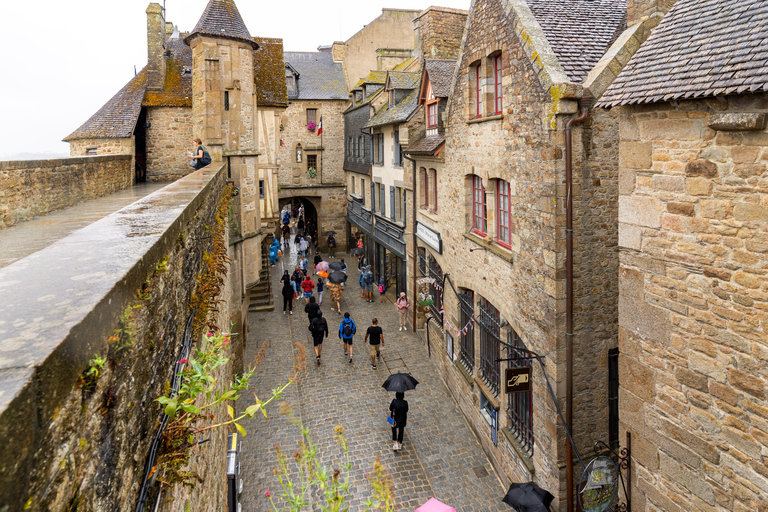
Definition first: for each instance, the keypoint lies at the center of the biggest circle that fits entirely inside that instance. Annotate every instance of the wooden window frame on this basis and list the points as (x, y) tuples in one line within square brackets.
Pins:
[(478, 94), (432, 115), (310, 158), (313, 117), (503, 209), (479, 212), (498, 95)]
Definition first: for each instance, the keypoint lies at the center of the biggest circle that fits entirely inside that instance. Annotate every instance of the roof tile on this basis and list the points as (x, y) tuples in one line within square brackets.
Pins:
[(320, 78)]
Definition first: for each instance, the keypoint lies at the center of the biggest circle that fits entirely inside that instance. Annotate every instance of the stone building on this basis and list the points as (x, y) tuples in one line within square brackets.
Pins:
[(693, 238), (526, 272), (311, 139)]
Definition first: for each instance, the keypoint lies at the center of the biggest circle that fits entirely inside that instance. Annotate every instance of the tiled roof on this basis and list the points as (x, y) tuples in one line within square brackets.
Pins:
[(177, 88), (374, 77), (580, 31), (117, 118), (440, 73), (404, 65), (701, 48), (321, 78), (403, 79), (222, 19), (426, 145), (269, 73), (396, 114)]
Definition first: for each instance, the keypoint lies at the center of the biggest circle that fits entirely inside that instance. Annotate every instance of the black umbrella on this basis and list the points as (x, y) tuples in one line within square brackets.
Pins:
[(528, 497), (337, 277), (400, 382), (329, 233), (356, 251), (336, 265)]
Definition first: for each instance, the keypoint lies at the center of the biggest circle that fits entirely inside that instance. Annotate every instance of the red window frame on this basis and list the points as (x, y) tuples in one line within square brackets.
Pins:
[(432, 115), (497, 93), (479, 218), (434, 189), (503, 213), (478, 99), (426, 189)]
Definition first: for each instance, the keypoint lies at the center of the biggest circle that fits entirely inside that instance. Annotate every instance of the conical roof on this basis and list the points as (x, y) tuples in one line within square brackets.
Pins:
[(222, 19)]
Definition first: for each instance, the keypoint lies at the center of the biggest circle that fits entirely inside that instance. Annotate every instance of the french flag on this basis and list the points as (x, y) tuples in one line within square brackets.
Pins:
[(320, 126)]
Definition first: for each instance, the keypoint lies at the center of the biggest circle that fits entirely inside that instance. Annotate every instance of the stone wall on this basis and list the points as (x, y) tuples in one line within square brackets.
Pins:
[(330, 201), (32, 187), (169, 138), (79, 147), (694, 295), (69, 446), (439, 30)]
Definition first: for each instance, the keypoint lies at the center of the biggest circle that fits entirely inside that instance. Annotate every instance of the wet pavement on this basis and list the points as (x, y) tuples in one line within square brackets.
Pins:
[(25, 238), (441, 456)]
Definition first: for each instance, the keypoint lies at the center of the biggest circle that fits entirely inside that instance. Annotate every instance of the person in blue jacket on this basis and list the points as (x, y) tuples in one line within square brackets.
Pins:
[(347, 330), (273, 249)]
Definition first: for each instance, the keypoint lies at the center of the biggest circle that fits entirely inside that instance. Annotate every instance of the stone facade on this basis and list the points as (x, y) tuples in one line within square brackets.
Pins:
[(169, 138), (693, 329), (86, 147), (33, 187), (439, 31)]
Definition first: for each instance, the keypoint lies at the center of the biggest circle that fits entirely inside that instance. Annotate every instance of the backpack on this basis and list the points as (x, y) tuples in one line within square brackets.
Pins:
[(206, 157), (368, 277), (381, 288), (319, 327), (347, 331)]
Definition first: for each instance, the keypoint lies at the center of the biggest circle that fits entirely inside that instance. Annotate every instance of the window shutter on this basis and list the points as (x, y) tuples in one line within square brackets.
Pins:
[(373, 196), (392, 202), (398, 154)]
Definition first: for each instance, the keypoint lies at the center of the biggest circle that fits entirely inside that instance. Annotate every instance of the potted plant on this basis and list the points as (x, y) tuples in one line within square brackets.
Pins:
[(311, 172), (311, 126)]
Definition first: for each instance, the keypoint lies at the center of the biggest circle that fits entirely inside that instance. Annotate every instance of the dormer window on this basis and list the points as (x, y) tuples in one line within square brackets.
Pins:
[(187, 71), (289, 82), (432, 115), (358, 95), (391, 98)]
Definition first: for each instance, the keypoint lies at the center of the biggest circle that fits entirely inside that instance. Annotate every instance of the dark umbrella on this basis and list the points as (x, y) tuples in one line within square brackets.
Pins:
[(528, 497), (356, 251), (329, 233), (336, 265), (337, 277), (400, 382)]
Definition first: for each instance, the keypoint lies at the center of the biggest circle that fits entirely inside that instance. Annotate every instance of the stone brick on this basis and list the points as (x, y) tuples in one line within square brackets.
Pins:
[(748, 212), (686, 477), (699, 186), (669, 183), (749, 170), (637, 378), (662, 129), (692, 379), (702, 168), (744, 154), (716, 209), (747, 383), (635, 155), (686, 209), (747, 280), (642, 211)]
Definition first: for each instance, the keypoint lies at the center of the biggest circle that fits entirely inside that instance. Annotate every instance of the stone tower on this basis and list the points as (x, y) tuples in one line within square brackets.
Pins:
[(224, 111)]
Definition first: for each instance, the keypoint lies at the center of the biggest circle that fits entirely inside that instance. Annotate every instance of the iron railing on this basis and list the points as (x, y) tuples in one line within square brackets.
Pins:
[(467, 352), (429, 268), (520, 405), (489, 329)]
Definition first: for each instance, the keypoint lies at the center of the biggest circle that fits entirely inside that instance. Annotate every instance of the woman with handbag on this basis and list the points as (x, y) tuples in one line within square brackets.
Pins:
[(398, 410)]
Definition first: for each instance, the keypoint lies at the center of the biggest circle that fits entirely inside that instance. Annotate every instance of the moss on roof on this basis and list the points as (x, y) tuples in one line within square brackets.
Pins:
[(269, 73), (177, 88)]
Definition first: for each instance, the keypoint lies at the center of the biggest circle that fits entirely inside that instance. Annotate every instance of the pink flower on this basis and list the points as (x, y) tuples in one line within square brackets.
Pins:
[(183, 361), (267, 493), (225, 342), (367, 475), (210, 334)]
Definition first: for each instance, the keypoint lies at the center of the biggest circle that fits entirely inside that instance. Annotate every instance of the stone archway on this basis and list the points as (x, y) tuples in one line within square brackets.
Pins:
[(325, 204)]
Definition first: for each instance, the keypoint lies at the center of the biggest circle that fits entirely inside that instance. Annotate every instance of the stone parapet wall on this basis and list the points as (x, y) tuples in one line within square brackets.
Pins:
[(29, 188), (169, 138), (693, 312), (68, 445), (123, 146)]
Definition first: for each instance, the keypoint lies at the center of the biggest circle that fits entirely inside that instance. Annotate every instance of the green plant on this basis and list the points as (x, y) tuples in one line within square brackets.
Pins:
[(311, 172), (91, 374), (123, 338), (162, 266)]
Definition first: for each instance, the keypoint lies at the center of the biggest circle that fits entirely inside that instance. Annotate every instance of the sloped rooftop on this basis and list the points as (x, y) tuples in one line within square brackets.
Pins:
[(426, 145), (701, 48), (320, 77), (580, 31), (397, 113), (222, 19), (177, 88), (403, 79), (440, 73), (269, 73)]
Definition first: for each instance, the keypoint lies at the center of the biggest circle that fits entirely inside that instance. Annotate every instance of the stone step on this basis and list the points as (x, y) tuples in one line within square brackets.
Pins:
[(265, 307)]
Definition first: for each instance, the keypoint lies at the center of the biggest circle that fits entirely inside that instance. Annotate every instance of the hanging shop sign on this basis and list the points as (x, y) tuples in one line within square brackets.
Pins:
[(430, 237), (517, 380)]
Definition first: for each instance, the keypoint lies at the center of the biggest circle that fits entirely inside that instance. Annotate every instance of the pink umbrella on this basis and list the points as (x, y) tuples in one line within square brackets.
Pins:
[(323, 265), (434, 505)]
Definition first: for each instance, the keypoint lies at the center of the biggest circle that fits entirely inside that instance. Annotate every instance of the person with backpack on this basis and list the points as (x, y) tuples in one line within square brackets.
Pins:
[(398, 410), (368, 280), (318, 328), (311, 309), (347, 330), (307, 286), (288, 292), (382, 289), (402, 304), (199, 154), (320, 289), (331, 245)]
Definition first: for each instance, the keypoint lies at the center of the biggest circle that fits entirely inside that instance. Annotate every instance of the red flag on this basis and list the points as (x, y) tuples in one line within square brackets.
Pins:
[(320, 126)]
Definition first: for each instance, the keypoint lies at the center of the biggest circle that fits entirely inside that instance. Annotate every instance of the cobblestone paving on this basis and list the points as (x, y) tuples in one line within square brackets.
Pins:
[(440, 458)]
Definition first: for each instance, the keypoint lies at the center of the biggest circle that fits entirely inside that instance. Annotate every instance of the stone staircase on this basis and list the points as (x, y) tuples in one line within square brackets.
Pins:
[(260, 296)]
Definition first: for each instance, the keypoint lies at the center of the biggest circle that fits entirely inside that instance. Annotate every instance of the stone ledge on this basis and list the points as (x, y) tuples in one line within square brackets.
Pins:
[(484, 119), (464, 372), (8, 165), (491, 247), (492, 398), (521, 454), (244, 152)]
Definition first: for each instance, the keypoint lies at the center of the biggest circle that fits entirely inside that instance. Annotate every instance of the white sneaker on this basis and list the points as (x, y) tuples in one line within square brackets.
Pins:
[(399, 446), (405, 328), (395, 447)]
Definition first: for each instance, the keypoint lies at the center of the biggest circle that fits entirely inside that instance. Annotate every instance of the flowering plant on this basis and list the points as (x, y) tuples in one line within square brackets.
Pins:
[(311, 126), (311, 172)]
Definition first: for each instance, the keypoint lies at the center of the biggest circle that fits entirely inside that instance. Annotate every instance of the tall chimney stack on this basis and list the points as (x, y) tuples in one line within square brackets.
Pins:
[(155, 47)]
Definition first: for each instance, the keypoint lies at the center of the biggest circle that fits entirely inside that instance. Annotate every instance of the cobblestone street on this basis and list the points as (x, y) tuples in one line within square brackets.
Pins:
[(440, 457)]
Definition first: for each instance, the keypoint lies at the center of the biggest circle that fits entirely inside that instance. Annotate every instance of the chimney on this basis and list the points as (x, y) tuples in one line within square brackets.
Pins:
[(640, 10), (156, 32)]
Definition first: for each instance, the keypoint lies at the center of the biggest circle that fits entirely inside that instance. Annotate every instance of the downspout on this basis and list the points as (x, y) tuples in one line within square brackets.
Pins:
[(413, 234), (569, 293)]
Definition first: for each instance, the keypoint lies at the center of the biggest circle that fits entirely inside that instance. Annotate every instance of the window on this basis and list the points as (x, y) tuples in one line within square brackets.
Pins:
[(398, 149), (478, 93), (359, 146), (352, 183), (362, 189), (503, 213), (261, 189), (466, 312), (391, 98), (311, 115), (90, 151), (373, 197), (402, 207), (289, 82), (479, 217), (432, 115), (383, 202), (312, 161), (520, 405), (497, 95), (349, 147), (226, 100), (434, 189), (488, 327), (380, 156), (426, 188), (392, 202)]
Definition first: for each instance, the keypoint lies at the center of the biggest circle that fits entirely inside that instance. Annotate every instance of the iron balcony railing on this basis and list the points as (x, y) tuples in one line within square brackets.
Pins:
[(489, 329), (467, 352), (520, 405)]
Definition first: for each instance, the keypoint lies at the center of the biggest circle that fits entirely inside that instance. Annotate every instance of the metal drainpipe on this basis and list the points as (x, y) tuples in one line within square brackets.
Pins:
[(569, 292), (413, 234)]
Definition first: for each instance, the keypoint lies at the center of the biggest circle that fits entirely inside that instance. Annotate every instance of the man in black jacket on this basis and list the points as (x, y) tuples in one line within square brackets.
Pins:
[(312, 309), (319, 329)]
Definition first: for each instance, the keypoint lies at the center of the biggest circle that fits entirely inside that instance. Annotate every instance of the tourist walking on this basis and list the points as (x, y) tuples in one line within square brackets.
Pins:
[(398, 410), (303, 246), (331, 246), (317, 260), (376, 336), (320, 289), (273, 250), (361, 282), (402, 304), (347, 330), (336, 294), (311, 309), (368, 280), (319, 329), (382, 289), (288, 292), (304, 265), (307, 286)]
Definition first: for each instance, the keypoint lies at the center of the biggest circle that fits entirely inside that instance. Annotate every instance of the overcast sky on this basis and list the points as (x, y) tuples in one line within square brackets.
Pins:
[(64, 59)]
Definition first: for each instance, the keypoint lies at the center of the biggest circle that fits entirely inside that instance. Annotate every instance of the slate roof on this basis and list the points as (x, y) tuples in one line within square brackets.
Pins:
[(117, 118), (222, 19), (426, 145), (269, 73), (403, 79), (580, 31), (701, 48), (396, 114), (177, 88), (321, 78), (374, 77), (440, 73)]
